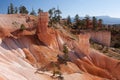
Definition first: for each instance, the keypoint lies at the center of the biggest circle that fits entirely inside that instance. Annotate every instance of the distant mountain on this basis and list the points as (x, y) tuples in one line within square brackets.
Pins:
[(106, 19), (109, 20)]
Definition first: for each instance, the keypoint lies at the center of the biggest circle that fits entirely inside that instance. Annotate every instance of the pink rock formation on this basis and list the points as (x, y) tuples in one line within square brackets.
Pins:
[(46, 35), (103, 37), (81, 52), (83, 44), (43, 23), (25, 57), (12, 22), (42, 30)]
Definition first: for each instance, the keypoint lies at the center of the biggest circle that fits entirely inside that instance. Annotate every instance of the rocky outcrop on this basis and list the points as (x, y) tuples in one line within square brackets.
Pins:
[(42, 30), (45, 34), (29, 56), (80, 51), (12, 22), (17, 56), (83, 44), (102, 37)]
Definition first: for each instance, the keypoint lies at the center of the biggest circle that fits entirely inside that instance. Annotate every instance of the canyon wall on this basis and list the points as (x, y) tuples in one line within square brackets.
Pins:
[(102, 37), (25, 58)]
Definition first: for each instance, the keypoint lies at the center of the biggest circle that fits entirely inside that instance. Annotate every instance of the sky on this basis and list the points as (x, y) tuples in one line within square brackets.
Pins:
[(69, 7)]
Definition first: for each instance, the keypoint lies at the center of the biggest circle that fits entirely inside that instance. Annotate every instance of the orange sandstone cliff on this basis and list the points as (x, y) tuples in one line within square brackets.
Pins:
[(29, 54)]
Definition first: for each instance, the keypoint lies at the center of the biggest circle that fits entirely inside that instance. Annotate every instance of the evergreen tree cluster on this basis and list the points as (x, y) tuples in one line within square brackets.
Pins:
[(83, 23), (54, 15), (12, 9), (22, 10)]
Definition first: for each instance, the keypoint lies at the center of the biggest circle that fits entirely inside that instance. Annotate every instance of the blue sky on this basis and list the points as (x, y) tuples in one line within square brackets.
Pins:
[(70, 7)]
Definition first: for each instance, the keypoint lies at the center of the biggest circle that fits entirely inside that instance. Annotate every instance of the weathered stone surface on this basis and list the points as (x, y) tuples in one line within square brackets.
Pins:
[(43, 22), (44, 34), (103, 37), (84, 44), (110, 65), (19, 57)]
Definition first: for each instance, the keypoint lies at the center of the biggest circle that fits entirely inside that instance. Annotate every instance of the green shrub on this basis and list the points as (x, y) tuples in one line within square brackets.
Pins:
[(117, 45), (65, 56), (22, 27)]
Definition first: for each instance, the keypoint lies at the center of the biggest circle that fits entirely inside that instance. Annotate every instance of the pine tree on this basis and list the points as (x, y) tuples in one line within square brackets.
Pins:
[(33, 12), (76, 18), (23, 10), (77, 21), (51, 16), (16, 10), (40, 10), (11, 8), (57, 15), (69, 21), (8, 10), (51, 12), (65, 56), (94, 21), (87, 19), (100, 23), (83, 24)]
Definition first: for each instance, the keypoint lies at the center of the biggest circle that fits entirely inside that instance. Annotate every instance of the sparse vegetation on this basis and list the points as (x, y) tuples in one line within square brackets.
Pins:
[(55, 65), (115, 38), (83, 24), (69, 22), (40, 10), (15, 23), (23, 10), (43, 43), (16, 10), (65, 57), (55, 16), (12, 9), (94, 21), (109, 51), (77, 24), (33, 12), (56, 71), (22, 27)]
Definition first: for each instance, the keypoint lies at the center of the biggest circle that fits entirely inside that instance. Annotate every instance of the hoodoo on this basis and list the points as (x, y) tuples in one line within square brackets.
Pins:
[(31, 57)]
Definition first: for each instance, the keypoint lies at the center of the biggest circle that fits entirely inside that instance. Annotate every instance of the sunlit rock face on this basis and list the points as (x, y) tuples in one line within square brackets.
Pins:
[(13, 62), (45, 34), (21, 57), (102, 37), (43, 22), (42, 30), (84, 44), (0, 41)]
